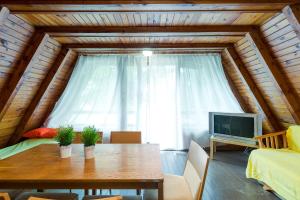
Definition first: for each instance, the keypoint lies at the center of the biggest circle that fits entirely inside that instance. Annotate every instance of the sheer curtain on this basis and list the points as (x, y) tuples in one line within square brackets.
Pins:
[(167, 97)]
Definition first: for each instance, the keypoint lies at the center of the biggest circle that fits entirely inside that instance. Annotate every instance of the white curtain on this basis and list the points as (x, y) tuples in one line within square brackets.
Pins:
[(167, 97)]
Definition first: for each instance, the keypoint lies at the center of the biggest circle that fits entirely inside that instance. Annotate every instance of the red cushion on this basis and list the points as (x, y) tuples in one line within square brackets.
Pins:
[(41, 133)]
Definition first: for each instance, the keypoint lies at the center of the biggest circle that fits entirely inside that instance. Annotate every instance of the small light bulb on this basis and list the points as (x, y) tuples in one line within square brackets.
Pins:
[(147, 53)]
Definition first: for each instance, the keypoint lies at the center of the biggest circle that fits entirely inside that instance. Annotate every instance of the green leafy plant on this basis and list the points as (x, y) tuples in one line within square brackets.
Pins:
[(89, 136), (65, 136)]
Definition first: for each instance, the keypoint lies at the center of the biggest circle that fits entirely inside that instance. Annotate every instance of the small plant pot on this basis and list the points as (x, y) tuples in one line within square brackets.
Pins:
[(65, 151), (89, 152)]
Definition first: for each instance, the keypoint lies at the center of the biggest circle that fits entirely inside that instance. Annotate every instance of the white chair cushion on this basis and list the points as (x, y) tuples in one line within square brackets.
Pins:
[(175, 188), (192, 178)]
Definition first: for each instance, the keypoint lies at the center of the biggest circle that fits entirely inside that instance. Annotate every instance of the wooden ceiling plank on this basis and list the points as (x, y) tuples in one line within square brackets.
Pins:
[(255, 91), (292, 13), (51, 107), (145, 2), (93, 30), (4, 12), (145, 45), (59, 62), (130, 5), (11, 87), (236, 93), (275, 72)]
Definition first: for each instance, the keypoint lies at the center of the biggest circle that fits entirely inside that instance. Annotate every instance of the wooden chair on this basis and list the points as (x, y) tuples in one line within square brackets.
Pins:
[(190, 186), (4, 196), (112, 198), (126, 137), (46, 196), (273, 140)]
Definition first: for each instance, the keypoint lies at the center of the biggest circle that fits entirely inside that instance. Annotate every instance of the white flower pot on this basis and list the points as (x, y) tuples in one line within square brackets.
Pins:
[(65, 151), (89, 152)]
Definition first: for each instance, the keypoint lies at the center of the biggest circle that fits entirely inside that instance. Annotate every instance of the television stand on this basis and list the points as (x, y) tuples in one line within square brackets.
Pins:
[(225, 140)]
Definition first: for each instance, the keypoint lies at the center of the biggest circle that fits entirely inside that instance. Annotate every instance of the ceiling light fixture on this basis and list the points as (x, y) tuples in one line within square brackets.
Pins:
[(147, 53)]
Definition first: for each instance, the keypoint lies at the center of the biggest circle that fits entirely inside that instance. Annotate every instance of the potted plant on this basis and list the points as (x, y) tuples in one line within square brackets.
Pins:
[(89, 138), (65, 137)]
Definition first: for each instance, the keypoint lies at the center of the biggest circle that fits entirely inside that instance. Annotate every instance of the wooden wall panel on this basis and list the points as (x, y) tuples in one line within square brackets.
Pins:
[(285, 45), (264, 82), (51, 94), (244, 92), (28, 89), (14, 36)]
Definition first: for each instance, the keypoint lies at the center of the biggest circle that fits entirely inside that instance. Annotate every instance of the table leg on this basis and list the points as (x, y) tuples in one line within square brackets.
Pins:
[(212, 149), (215, 147), (161, 190)]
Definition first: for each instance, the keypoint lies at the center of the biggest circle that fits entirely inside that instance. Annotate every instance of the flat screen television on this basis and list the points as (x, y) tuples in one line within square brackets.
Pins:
[(241, 126)]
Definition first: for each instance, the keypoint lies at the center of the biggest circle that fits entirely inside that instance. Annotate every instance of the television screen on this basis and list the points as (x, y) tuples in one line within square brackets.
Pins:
[(234, 126)]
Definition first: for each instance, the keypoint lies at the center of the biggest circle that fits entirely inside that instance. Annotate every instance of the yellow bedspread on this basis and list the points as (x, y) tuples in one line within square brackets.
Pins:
[(280, 169)]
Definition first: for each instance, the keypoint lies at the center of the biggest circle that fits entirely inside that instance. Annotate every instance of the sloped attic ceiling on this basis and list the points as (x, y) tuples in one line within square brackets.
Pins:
[(40, 41)]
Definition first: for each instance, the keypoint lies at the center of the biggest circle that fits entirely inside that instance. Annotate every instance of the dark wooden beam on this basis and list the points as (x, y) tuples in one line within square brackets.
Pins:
[(147, 45), (292, 13), (138, 10), (139, 5), (4, 12), (51, 107), (11, 87), (145, 2), (236, 93), (59, 62), (171, 51), (151, 30), (255, 92), (275, 72)]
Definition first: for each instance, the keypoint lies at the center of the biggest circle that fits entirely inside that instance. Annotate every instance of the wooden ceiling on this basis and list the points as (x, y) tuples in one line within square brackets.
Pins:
[(146, 13), (40, 40)]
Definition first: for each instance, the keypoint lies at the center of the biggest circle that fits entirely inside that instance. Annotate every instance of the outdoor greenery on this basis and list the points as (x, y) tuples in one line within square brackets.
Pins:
[(90, 136), (65, 136)]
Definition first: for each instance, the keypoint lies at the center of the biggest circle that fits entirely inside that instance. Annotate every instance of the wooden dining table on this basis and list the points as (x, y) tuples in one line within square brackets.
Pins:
[(115, 166)]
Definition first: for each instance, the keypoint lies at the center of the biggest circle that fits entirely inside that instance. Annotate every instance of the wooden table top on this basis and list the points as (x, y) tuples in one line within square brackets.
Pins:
[(112, 163)]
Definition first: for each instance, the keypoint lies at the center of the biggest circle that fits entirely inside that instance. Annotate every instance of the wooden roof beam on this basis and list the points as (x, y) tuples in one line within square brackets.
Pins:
[(4, 12), (255, 92), (292, 13), (11, 87), (275, 72), (137, 5), (59, 62), (134, 52), (138, 30), (147, 45)]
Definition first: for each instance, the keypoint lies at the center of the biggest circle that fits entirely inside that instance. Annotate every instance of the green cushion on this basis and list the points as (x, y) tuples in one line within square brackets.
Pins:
[(23, 146)]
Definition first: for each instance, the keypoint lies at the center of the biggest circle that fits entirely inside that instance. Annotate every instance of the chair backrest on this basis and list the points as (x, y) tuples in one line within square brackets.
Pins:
[(196, 169), (111, 198), (4, 196), (126, 137), (77, 139), (38, 198)]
